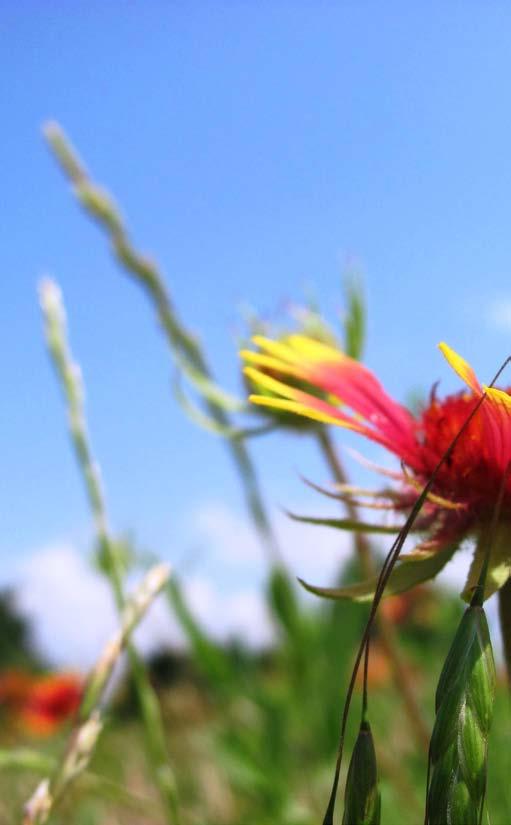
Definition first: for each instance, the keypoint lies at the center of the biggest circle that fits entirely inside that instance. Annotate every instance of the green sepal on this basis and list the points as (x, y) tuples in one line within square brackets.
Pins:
[(410, 571), (346, 524)]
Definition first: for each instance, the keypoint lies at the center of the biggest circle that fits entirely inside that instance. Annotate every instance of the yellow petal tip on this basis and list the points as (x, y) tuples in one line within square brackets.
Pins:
[(460, 366)]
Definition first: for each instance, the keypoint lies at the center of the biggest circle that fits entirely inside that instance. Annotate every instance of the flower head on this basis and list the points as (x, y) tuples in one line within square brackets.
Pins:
[(345, 393)]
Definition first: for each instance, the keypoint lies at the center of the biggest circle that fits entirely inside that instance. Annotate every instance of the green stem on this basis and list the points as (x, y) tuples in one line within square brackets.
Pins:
[(385, 627), (505, 591), (505, 624)]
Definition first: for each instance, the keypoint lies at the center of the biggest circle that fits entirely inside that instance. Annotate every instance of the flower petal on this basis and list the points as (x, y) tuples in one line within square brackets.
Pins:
[(295, 407), (270, 362), (342, 380), (461, 367), (495, 411), (297, 401)]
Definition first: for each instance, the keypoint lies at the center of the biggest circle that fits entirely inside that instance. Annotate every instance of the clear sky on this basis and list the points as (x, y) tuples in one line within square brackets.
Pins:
[(256, 148)]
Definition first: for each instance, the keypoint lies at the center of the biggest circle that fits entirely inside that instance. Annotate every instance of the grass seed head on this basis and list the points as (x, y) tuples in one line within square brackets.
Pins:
[(362, 797), (464, 710)]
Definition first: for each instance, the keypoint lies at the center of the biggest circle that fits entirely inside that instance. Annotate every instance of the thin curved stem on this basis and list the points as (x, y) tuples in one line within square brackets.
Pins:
[(385, 627), (505, 625)]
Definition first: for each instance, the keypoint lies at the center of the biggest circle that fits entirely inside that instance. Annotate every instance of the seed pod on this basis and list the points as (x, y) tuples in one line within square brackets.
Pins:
[(464, 711), (362, 797)]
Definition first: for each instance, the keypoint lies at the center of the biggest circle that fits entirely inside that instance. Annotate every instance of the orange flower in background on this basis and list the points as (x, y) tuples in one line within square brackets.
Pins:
[(398, 609), (379, 672), (40, 705), (344, 392)]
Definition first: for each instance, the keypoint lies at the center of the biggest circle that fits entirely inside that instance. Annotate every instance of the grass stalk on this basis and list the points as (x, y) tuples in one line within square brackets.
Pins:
[(70, 377), (184, 346), (32, 761), (89, 719)]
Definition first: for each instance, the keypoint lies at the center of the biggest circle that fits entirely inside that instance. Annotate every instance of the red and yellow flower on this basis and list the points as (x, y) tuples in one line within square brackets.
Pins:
[(343, 392)]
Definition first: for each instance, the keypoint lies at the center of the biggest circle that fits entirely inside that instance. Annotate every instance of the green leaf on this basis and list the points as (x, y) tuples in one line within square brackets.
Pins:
[(347, 524), (355, 321), (410, 571)]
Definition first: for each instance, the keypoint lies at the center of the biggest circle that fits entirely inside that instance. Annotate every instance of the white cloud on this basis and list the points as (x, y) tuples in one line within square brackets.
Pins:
[(242, 614), (70, 604), (71, 611), (309, 551), (70, 607), (227, 535)]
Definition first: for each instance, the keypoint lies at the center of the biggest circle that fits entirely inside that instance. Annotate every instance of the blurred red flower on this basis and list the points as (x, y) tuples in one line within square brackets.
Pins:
[(379, 672), (40, 705)]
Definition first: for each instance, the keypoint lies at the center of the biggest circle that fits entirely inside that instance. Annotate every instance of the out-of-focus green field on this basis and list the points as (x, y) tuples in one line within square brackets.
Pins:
[(253, 737)]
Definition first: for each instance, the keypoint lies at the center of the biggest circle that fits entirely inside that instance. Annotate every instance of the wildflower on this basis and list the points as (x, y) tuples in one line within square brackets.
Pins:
[(40, 704), (343, 392)]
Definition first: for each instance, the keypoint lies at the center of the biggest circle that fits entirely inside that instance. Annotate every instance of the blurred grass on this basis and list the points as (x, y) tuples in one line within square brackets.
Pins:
[(252, 737)]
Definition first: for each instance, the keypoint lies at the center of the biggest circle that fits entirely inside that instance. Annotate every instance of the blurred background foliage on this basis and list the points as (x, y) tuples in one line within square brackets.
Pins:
[(253, 736)]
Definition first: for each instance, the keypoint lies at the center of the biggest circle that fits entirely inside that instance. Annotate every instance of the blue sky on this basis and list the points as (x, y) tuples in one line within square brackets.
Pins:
[(255, 149)]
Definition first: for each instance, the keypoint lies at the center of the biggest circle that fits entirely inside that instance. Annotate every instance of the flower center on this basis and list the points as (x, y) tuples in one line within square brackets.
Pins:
[(473, 473)]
